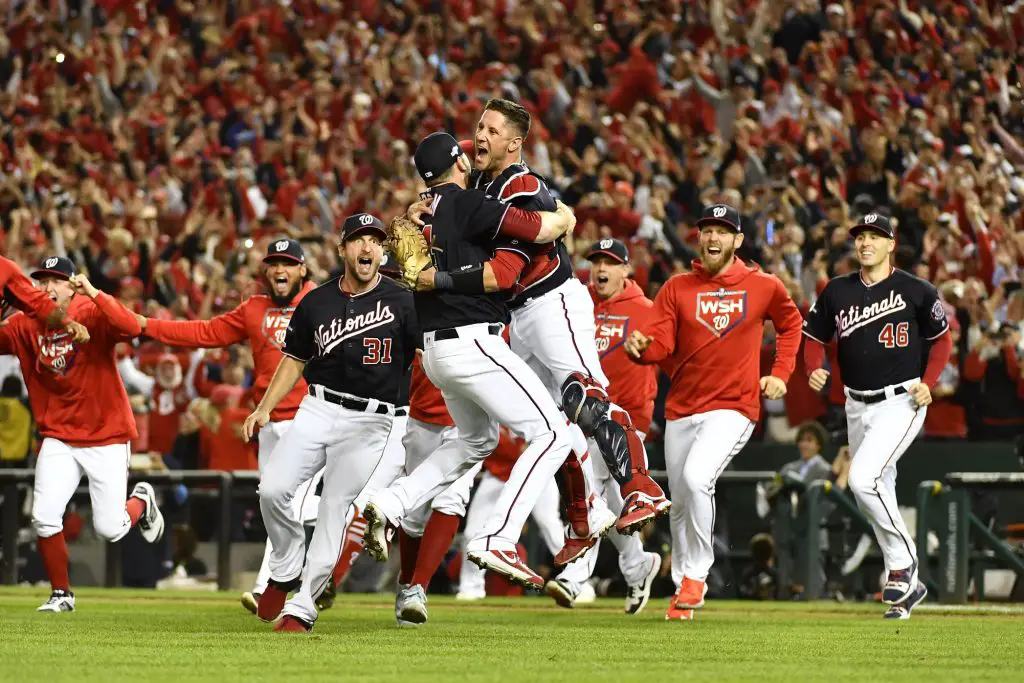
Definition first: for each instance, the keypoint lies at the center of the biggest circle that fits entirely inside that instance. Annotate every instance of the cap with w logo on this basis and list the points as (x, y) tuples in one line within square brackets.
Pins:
[(720, 214), (285, 250), (608, 247), (55, 266), (876, 222)]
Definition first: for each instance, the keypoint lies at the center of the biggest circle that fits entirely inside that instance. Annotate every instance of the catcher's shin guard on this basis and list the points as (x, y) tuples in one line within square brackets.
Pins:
[(584, 401), (623, 451), (572, 486)]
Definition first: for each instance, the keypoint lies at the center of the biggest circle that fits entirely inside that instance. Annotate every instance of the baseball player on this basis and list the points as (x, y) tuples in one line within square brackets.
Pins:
[(464, 355), (620, 306), (352, 339), (706, 326), (261, 320), (553, 329), (82, 412), (882, 319)]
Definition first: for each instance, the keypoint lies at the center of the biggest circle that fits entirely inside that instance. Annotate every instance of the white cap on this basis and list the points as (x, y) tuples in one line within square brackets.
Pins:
[(836, 8)]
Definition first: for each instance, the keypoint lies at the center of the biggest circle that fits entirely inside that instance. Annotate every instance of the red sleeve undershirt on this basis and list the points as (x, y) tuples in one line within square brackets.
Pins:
[(520, 225), (938, 356), (814, 355), (507, 267)]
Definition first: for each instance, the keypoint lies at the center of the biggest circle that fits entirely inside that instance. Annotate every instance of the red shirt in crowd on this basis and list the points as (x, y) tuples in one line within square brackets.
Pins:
[(75, 390), (632, 387), (257, 320), (709, 329)]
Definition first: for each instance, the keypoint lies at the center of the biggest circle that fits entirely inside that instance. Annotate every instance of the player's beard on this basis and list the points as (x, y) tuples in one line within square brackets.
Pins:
[(169, 379), (283, 300), (714, 263)]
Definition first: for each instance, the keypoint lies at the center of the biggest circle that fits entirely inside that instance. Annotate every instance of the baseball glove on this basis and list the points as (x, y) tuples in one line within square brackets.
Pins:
[(410, 248)]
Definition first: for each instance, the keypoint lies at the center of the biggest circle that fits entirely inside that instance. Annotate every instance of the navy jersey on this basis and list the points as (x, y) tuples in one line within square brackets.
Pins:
[(881, 330), (462, 231), (359, 344), (547, 265)]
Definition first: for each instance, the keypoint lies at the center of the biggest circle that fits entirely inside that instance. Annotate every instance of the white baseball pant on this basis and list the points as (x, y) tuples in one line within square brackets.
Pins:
[(483, 384), (698, 448), (880, 434), (304, 504), (59, 470), (545, 515), (348, 445), (422, 439), (632, 561)]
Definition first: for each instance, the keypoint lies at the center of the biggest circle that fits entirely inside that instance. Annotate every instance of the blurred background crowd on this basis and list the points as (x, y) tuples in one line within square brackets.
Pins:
[(161, 144)]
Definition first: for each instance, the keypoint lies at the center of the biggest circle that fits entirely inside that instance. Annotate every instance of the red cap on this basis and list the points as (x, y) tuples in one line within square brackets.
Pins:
[(468, 146)]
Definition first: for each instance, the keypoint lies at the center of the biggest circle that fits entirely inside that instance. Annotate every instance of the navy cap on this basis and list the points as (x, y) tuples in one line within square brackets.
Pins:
[(720, 214), (609, 247), (436, 154), (362, 222), (876, 222), (55, 266), (285, 250)]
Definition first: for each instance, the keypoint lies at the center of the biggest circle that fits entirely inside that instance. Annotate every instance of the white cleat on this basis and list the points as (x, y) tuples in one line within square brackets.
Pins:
[(563, 592), (638, 595), (251, 602), (60, 601), (379, 532), (411, 606), (151, 524)]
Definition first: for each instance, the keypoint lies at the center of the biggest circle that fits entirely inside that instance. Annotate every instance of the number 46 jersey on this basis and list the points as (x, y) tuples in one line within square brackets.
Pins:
[(881, 330)]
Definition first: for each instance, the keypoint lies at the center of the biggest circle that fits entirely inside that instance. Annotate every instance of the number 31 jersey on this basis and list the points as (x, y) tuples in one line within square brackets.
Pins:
[(881, 330)]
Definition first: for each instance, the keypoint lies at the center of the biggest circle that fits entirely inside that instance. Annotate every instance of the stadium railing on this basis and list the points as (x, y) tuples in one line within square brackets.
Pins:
[(956, 560)]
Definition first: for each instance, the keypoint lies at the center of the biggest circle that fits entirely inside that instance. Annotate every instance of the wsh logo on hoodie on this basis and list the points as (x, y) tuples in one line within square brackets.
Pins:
[(57, 352), (721, 311)]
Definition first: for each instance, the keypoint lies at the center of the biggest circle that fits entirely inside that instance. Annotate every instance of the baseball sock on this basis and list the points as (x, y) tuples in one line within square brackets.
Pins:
[(350, 549), (54, 552), (408, 551), (135, 507), (437, 539)]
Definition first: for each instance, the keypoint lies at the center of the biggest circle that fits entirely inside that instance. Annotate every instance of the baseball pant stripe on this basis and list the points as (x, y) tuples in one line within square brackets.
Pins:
[(572, 336), (878, 494), (536, 462)]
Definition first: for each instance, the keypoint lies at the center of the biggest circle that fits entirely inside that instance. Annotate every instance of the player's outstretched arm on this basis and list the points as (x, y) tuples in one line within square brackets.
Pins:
[(217, 332), (115, 316), (498, 274), (288, 372), (786, 318)]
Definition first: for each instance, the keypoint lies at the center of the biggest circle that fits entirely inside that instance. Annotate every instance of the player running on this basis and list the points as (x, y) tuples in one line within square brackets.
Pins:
[(82, 411), (882, 319), (706, 326), (261, 320)]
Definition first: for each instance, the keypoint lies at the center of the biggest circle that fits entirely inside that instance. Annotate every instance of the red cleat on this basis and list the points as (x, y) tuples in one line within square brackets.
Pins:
[(574, 548), (272, 601), (639, 510), (290, 624), (507, 564), (691, 594), (678, 614)]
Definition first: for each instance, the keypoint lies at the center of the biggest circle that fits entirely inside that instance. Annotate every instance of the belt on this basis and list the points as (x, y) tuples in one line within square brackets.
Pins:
[(453, 332), (875, 397), (360, 405)]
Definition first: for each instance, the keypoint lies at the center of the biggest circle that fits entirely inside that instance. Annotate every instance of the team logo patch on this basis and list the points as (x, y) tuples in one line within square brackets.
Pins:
[(57, 352), (870, 218), (718, 211), (721, 311), (605, 244), (281, 246), (366, 219), (938, 312), (612, 331), (275, 325), (51, 262)]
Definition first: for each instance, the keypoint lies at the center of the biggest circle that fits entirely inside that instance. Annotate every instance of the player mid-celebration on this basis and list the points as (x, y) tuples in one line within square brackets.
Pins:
[(352, 339), (881, 318)]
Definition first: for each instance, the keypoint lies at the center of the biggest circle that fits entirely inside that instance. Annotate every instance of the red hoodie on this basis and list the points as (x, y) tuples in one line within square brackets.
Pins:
[(632, 387), (257, 320), (709, 329), (76, 393)]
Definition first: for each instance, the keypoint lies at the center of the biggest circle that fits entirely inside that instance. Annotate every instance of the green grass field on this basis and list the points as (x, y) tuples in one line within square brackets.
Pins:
[(117, 635)]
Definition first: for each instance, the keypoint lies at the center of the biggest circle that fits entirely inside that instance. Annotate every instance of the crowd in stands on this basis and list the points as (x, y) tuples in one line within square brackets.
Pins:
[(162, 143)]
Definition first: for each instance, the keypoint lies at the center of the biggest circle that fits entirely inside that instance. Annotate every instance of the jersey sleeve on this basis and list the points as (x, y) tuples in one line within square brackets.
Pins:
[(931, 315), (785, 316), (9, 336), (662, 324), (820, 323), (298, 338), (488, 217), (109, 317)]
